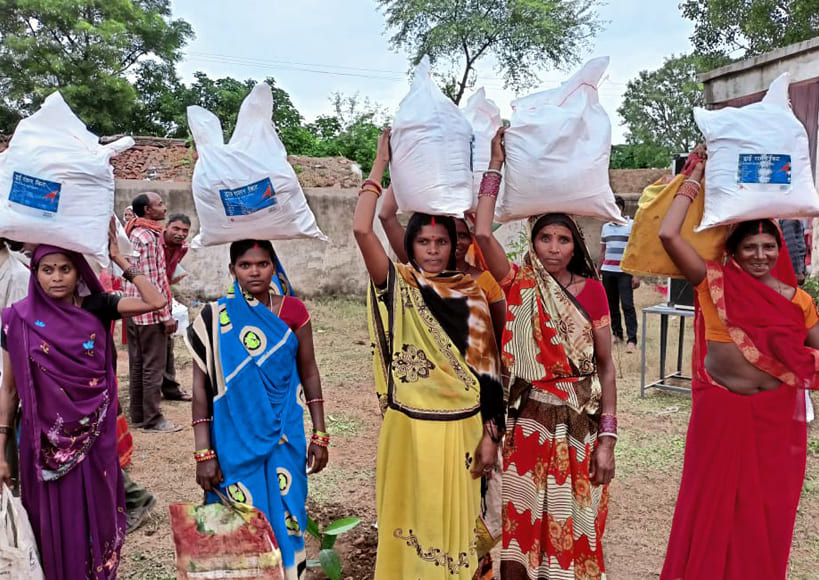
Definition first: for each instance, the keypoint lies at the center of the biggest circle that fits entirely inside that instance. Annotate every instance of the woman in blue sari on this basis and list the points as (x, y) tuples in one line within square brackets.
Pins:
[(253, 351)]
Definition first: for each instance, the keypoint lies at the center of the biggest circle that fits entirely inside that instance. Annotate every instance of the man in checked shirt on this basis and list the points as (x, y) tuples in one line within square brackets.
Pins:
[(148, 334)]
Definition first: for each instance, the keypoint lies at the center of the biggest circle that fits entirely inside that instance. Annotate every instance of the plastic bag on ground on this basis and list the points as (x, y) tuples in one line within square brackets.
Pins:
[(758, 161), (485, 118), (645, 255), (246, 188), (431, 151), (557, 152), (19, 558), (56, 182), (221, 542)]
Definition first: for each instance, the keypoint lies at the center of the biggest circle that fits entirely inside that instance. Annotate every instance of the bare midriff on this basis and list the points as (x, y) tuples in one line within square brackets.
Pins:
[(726, 365)]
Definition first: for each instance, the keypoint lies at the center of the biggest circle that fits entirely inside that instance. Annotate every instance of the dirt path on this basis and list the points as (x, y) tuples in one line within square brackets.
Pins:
[(649, 460)]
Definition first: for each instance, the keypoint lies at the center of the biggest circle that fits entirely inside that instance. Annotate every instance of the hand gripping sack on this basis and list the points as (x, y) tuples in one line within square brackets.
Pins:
[(485, 118), (221, 541), (246, 188), (56, 182), (557, 152), (431, 151), (645, 255), (19, 558), (758, 161)]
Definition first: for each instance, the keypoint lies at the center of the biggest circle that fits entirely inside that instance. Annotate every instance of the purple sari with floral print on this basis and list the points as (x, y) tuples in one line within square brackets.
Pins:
[(63, 362)]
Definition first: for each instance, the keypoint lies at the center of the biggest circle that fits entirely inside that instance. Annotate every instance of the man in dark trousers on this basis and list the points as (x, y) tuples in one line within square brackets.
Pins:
[(148, 334), (619, 285)]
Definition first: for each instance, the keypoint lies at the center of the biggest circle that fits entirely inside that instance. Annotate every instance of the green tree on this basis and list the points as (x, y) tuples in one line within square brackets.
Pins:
[(523, 36), (638, 156), (743, 28), (658, 107), (84, 48), (352, 132)]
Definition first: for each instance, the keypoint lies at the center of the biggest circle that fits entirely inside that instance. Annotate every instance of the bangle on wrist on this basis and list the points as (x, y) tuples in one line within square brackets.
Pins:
[(6, 429), (313, 401), (130, 273), (201, 420), (606, 434)]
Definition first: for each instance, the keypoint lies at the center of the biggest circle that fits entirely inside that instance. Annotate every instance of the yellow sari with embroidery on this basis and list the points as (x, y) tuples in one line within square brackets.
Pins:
[(436, 370)]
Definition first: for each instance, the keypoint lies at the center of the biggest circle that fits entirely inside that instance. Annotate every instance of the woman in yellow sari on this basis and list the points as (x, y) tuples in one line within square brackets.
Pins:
[(438, 382)]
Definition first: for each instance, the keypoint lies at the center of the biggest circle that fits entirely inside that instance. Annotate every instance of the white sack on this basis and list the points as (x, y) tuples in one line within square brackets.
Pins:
[(19, 558), (758, 161), (557, 152), (179, 312), (246, 189), (485, 118), (431, 153), (56, 182)]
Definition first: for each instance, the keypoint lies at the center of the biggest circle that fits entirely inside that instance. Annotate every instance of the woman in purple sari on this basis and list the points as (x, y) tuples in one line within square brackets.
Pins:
[(59, 360)]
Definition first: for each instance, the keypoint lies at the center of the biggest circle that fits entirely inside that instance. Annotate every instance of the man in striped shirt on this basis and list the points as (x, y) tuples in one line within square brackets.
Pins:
[(618, 284)]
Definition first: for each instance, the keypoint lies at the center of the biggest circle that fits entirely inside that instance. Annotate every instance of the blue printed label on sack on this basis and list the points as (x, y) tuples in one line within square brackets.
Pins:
[(35, 193), (764, 168), (248, 199)]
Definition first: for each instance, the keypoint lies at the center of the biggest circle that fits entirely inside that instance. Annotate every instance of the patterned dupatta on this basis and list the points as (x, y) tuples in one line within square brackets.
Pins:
[(548, 341), (435, 353), (768, 329)]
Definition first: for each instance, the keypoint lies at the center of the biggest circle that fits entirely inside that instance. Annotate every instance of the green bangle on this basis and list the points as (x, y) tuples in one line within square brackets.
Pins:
[(320, 433)]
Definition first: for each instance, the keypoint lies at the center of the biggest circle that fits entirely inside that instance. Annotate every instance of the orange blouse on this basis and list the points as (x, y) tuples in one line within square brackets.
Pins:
[(715, 329)]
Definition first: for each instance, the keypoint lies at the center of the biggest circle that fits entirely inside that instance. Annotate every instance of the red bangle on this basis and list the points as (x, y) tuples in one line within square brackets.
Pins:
[(608, 424), (373, 183), (311, 401), (201, 420), (490, 185)]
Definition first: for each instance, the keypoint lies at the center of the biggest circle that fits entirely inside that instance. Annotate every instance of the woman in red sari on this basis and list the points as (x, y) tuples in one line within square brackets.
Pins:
[(753, 358)]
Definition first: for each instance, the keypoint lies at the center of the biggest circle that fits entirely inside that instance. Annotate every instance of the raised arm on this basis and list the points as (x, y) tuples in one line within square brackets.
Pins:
[(375, 258), (150, 298), (683, 254), (392, 227), (493, 252)]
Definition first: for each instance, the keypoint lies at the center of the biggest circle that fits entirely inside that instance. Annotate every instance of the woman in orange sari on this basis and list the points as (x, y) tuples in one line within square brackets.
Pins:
[(753, 358)]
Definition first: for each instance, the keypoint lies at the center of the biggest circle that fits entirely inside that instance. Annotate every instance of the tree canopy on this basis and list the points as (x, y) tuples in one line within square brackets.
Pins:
[(523, 36), (743, 28), (657, 110), (84, 48)]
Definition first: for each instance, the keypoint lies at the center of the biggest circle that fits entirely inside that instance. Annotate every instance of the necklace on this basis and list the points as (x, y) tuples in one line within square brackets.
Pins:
[(571, 281)]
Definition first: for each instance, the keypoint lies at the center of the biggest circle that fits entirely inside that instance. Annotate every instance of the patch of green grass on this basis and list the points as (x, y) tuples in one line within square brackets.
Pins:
[(343, 424), (331, 485), (639, 451)]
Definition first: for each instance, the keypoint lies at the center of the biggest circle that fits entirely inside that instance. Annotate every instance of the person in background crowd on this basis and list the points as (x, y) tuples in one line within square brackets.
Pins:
[(60, 365), (248, 421), (14, 277), (148, 334), (619, 285), (753, 359), (128, 214), (174, 242), (562, 425), (794, 233)]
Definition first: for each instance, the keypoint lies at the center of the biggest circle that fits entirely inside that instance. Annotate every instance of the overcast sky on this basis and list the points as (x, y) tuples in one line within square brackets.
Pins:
[(316, 47)]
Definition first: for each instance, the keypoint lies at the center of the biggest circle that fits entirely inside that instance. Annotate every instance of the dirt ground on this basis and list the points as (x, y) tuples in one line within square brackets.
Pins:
[(649, 460)]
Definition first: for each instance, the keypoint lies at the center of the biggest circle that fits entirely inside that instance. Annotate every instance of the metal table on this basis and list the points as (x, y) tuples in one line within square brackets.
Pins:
[(665, 311)]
